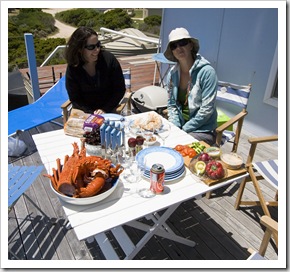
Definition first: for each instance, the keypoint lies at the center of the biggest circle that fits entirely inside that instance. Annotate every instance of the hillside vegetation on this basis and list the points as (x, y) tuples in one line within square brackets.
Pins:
[(41, 25)]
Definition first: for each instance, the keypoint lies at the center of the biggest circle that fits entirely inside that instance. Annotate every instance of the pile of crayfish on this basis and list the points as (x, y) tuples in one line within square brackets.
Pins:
[(81, 175)]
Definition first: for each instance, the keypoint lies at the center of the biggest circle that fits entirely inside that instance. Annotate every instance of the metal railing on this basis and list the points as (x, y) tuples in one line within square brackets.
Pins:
[(103, 30)]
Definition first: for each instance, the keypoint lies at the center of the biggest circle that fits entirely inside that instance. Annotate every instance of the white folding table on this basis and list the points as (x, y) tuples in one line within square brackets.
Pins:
[(124, 206)]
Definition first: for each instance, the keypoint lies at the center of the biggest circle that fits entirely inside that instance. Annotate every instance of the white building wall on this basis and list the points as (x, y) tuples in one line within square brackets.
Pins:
[(240, 43)]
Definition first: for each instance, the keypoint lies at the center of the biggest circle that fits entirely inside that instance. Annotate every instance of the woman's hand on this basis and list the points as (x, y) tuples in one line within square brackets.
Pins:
[(99, 111)]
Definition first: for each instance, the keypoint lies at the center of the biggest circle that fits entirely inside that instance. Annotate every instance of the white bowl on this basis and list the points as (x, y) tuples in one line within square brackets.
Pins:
[(232, 160), (151, 142), (94, 150), (86, 200)]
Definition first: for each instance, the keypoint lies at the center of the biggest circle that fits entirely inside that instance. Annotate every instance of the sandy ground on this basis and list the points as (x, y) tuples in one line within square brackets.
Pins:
[(65, 31)]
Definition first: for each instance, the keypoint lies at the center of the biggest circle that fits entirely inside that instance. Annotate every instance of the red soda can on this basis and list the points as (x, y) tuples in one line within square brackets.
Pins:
[(157, 174)]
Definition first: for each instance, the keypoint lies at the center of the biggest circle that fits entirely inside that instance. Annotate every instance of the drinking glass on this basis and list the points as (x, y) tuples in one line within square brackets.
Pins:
[(125, 159), (135, 175), (164, 132), (144, 191), (147, 135), (125, 113)]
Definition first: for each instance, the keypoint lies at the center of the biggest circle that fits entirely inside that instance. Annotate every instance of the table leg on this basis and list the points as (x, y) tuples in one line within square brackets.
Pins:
[(159, 228)]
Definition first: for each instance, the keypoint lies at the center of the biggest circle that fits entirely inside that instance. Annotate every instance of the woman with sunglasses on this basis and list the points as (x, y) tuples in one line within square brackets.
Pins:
[(94, 78), (192, 86)]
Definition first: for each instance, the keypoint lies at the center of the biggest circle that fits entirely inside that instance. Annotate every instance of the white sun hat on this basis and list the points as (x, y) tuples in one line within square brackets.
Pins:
[(179, 34)]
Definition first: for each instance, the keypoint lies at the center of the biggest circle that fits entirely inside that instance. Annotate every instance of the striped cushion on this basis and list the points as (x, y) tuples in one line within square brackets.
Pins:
[(269, 170), (227, 136), (234, 94), (127, 77)]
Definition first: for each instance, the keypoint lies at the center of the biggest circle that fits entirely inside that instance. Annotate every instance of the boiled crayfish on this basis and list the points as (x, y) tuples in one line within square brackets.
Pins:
[(82, 176)]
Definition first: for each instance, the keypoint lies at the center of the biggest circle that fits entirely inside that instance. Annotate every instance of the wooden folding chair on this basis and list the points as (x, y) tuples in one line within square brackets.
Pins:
[(125, 101), (271, 229), (237, 95), (260, 171), (266, 170)]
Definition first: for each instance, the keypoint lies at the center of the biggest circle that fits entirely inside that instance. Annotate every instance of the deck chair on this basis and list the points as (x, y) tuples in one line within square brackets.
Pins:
[(237, 95), (271, 229), (45, 109), (125, 101), (19, 180), (266, 171)]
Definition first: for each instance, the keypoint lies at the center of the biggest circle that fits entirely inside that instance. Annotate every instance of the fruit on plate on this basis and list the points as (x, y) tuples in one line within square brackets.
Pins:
[(215, 170), (204, 157), (200, 167)]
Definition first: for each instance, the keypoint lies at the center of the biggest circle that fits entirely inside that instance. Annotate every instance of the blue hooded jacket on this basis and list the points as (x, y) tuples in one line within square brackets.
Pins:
[(201, 99)]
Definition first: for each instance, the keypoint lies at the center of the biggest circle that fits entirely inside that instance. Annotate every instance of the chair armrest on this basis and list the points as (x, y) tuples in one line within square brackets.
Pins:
[(124, 101), (232, 121), (66, 106), (256, 140), (269, 223)]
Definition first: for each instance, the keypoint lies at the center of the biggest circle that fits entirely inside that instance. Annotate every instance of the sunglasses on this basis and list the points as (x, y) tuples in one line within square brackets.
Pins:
[(173, 45), (93, 46)]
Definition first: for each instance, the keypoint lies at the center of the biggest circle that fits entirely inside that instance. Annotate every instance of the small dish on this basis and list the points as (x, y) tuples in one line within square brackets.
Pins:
[(151, 141), (213, 151), (232, 160)]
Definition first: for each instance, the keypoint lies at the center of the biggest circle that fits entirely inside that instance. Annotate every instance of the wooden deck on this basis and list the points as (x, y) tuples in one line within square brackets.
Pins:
[(142, 72), (222, 233)]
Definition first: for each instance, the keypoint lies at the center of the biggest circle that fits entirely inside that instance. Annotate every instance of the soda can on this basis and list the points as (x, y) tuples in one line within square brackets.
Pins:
[(157, 174)]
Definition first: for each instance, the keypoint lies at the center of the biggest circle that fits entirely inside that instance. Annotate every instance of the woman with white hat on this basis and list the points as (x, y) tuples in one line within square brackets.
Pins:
[(192, 86)]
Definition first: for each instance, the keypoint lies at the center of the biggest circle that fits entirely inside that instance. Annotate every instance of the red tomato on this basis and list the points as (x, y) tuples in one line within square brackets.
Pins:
[(191, 153), (179, 147)]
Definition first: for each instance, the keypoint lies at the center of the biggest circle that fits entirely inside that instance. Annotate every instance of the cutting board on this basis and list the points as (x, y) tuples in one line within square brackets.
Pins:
[(230, 173)]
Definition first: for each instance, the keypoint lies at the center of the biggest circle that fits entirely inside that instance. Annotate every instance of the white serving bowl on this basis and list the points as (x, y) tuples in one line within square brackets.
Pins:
[(86, 200), (232, 160), (94, 150)]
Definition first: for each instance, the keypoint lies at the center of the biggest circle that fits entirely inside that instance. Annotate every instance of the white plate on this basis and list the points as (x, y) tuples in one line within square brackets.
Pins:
[(86, 200), (112, 116), (168, 157)]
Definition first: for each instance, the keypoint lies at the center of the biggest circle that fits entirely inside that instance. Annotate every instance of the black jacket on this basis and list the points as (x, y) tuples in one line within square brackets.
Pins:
[(103, 91)]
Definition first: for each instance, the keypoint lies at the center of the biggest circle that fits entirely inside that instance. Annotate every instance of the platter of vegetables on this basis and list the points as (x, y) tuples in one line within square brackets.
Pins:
[(190, 150), (207, 167)]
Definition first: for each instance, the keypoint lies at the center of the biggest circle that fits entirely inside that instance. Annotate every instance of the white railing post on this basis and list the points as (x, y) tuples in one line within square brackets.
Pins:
[(29, 43)]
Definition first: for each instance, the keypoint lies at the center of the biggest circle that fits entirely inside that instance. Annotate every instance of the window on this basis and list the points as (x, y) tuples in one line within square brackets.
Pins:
[(271, 94)]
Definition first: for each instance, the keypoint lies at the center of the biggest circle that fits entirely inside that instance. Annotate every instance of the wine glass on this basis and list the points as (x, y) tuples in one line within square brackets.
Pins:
[(135, 174), (125, 159), (144, 191), (164, 132), (125, 113)]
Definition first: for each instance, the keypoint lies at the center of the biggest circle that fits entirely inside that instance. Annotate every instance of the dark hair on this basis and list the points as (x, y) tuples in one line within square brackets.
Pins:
[(76, 43)]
